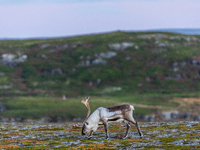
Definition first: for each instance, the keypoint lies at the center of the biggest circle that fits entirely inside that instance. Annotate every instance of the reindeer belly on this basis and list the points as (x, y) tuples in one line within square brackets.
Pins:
[(111, 117), (116, 120)]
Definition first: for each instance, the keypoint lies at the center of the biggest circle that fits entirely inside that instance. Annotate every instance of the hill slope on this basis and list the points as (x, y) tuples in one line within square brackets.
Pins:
[(109, 63)]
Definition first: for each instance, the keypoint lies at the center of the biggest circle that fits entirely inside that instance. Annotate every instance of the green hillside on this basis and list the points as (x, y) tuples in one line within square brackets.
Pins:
[(113, 64), (101, 64)]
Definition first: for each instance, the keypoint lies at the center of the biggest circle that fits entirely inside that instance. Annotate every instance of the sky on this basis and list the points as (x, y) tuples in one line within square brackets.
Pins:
[(58, 18)]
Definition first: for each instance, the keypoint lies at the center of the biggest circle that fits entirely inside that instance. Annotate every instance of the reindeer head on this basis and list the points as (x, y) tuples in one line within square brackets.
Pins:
[(86, 129), (86, 126)]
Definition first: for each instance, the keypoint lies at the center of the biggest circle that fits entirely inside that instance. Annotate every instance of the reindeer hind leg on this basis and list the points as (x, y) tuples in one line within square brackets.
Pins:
[(106, 129), (127, 130)]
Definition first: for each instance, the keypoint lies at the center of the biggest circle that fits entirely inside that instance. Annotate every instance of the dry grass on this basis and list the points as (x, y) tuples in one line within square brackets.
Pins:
[(188, 104)]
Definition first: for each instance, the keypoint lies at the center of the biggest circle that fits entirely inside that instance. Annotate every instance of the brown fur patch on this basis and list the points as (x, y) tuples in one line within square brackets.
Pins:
[(122, 108)]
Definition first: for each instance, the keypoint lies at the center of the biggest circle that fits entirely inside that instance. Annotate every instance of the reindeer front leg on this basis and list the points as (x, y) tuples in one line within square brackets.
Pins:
[(90, 134), (106, 129)]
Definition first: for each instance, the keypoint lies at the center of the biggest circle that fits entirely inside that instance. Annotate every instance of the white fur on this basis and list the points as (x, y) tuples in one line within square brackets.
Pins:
[(132, 107), (93, 121), (102, 114)]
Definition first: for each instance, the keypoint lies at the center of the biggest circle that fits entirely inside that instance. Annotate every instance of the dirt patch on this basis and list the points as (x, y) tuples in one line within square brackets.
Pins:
[(188, 104)]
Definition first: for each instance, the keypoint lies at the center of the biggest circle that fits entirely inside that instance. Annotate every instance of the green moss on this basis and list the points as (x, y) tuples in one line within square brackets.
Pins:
[(166, 140)]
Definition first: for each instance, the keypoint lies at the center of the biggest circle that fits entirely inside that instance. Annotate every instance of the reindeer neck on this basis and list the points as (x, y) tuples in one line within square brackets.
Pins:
[(94, 117)]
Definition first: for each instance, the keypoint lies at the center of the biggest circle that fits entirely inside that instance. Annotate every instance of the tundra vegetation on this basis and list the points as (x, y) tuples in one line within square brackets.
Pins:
[(157, 135), (41, 80)]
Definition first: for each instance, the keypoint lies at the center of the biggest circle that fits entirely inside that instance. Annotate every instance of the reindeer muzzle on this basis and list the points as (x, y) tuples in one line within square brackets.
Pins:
[(83, 134)]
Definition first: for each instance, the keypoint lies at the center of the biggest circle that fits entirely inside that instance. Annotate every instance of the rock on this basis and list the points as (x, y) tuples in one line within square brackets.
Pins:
[(145, 37), (98, 81), (2, 73), (18, 119), (43, 46), (78, 119), (12, 60), (122, 46), (90, 60), (136, 47), (51, 119), (107, 54), (196, 118), (115, 46), (175, 66), (175, 38), (150, 36), (174, 115), (188, 39), (149, 118), (169, 114), (2, 107), (162, 45), (194, 62), (56, 71), (87, 63), (126, 45), (64, 97), (5, 86), (4, 119), (111, 89), (148, 79), (99, 61), (127, 58), (74, 46), (90, 83), (64, 46), (8, 57), (185, 116), (43, 56), (177, 77), (183, 64)]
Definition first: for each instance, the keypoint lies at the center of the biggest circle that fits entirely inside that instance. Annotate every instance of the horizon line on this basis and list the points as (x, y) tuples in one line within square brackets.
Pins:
[(172, 30)]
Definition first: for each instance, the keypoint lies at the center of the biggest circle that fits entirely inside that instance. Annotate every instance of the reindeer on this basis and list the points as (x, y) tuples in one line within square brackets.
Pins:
[(103, 116)]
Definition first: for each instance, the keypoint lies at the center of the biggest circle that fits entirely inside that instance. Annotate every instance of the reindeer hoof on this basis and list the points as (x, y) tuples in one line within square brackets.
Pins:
[(89, 137)]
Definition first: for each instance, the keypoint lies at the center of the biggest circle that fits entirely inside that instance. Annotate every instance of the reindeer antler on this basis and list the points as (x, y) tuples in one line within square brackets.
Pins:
[(86, 103)]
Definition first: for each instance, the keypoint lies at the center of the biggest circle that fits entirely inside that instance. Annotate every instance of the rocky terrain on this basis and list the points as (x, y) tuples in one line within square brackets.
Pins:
[(157, 135)]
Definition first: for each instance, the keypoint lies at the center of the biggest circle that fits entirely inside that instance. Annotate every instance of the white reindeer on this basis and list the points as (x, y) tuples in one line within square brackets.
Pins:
[(103, 116)]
